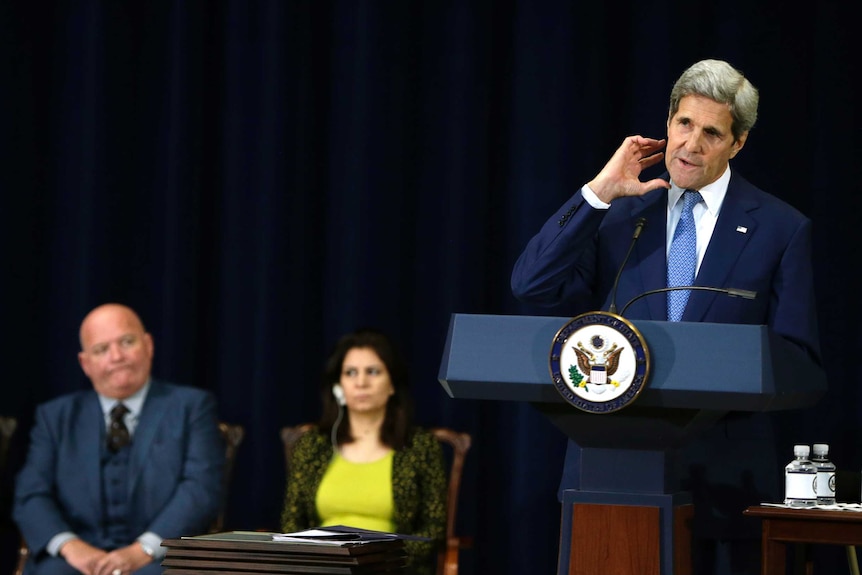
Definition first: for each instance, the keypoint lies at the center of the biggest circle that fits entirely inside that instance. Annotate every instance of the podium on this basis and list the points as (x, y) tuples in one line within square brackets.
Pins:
[(628, 481)]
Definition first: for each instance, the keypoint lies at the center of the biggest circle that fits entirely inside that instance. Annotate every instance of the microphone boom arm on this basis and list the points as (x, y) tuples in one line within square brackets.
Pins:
[(732, 292), (639, 226)]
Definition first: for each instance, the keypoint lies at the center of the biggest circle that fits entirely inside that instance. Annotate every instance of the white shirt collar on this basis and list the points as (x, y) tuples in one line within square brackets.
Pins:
[(134, 402), (713, 194)]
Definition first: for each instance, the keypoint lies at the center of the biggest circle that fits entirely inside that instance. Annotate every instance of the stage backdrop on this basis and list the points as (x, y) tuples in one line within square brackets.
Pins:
[(258, 177)]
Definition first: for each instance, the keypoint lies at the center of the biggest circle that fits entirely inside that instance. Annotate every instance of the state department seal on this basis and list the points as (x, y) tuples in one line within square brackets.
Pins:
[(599, 362)]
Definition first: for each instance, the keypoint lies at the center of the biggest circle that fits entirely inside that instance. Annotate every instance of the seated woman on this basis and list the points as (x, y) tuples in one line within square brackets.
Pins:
[(371, 469)]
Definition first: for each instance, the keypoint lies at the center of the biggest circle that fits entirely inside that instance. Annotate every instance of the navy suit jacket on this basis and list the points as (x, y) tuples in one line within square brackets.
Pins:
[(759, 243), (175, 472)]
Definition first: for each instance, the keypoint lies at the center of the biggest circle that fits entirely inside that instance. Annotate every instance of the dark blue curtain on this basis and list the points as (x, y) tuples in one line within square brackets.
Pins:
[(258, 177)]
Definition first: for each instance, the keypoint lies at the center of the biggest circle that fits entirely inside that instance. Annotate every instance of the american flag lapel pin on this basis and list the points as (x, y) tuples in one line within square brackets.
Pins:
[(742, 229)]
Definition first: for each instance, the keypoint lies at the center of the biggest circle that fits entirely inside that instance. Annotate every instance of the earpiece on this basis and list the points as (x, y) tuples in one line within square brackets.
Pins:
[(338, 392)]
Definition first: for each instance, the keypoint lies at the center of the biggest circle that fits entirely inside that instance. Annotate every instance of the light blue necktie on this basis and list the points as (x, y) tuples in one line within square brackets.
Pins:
[(682, 259)]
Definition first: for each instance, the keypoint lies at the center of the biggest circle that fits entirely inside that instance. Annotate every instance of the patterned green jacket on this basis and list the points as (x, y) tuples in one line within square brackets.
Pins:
[(418, 491)]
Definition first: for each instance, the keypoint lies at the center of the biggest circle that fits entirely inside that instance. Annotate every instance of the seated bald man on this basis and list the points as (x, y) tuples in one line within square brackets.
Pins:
[(113, 470)]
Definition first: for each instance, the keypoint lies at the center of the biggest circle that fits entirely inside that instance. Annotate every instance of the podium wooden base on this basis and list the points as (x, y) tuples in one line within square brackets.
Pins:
[(624, 538)]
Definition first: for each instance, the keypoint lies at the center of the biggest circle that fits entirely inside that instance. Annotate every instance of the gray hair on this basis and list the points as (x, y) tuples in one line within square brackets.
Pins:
[(722, 83)]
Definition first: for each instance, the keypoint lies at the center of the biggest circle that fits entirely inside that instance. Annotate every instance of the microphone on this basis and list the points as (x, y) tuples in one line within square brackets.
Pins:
[(639, 225), (732, 292)]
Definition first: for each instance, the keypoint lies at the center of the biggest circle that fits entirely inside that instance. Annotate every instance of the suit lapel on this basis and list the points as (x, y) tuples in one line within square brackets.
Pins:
[(733, 229)]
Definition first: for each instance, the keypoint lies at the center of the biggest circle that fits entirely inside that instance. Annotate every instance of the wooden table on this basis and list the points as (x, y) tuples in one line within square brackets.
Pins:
[(803, 526)]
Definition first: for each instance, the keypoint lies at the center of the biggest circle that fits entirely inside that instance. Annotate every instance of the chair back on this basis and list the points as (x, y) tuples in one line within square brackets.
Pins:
[(7, 429), (447, 559), (232, 434), (289, 436)]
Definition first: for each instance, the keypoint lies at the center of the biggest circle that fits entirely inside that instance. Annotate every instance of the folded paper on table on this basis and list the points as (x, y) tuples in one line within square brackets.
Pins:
[(831, 507), (343, 535)]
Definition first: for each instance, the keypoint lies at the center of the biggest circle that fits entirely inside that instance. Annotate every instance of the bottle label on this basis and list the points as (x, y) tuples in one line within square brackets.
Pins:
[(800, 486), (825, 485)]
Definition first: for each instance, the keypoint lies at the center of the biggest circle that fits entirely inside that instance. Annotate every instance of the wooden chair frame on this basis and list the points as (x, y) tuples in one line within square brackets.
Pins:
[(448, 556)]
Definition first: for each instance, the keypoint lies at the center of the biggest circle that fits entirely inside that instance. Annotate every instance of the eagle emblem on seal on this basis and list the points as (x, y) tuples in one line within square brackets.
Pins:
[(597, 361)]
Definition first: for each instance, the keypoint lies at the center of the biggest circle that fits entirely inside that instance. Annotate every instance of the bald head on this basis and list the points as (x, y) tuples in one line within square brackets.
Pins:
[(116, 351)]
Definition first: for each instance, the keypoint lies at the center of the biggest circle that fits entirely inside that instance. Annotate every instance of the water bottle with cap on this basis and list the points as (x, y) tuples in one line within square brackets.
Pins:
[(800, 477), (825, 485)]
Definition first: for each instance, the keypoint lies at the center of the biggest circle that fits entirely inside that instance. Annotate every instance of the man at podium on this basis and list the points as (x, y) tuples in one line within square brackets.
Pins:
[(698, 224)]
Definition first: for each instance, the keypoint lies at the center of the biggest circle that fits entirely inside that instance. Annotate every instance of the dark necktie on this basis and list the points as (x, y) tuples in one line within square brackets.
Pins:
[(682, 259), (118, 433)]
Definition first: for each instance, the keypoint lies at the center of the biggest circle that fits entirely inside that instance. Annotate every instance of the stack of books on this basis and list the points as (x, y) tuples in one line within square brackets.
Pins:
[(326, 550)]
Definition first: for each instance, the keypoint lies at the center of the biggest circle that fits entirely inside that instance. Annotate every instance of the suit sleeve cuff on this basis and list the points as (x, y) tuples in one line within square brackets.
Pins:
[(57, 541), (154, 542)]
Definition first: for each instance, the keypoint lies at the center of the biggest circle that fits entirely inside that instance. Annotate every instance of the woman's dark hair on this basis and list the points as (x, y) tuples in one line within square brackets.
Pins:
[(399, 408)]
